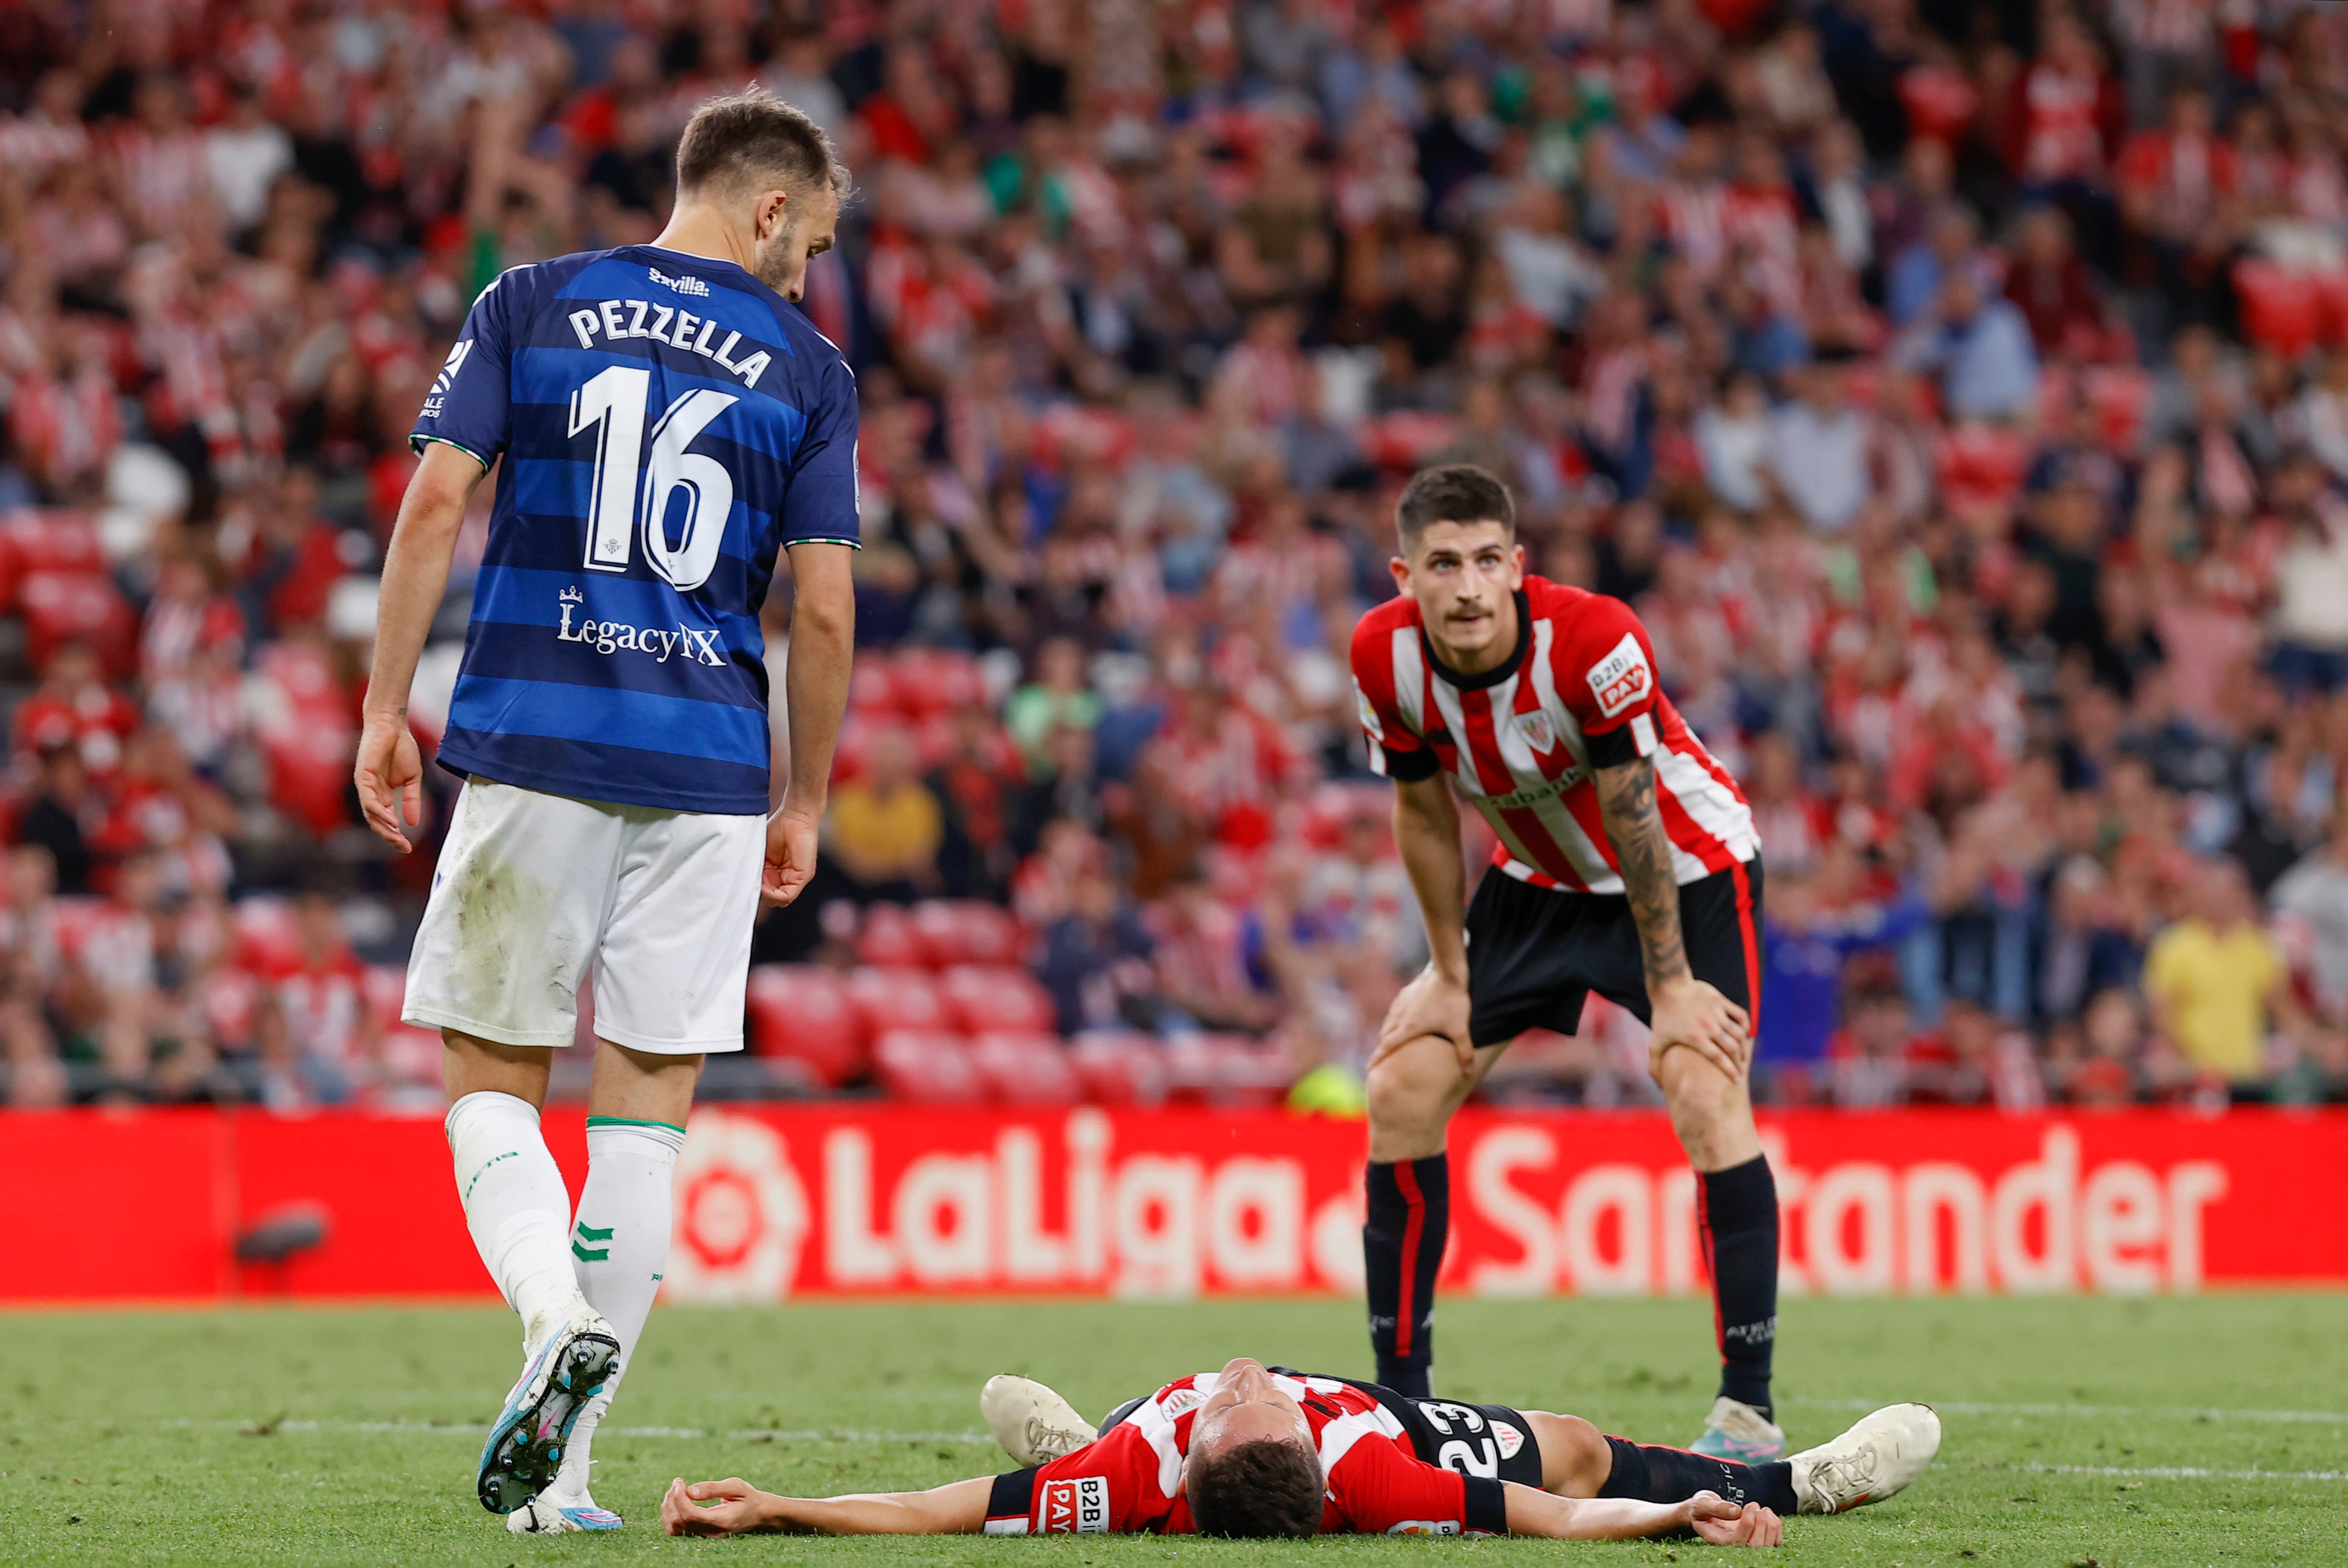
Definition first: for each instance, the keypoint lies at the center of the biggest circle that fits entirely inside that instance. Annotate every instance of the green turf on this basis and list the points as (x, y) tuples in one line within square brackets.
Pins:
[(310, 1436)]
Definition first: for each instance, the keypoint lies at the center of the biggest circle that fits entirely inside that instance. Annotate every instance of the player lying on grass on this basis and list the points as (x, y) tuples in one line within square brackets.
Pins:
[(1249, 1451)]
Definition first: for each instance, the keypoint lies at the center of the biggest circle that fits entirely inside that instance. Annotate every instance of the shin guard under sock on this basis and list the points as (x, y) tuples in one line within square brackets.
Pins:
[(1402, 1250), (1738, 1213)]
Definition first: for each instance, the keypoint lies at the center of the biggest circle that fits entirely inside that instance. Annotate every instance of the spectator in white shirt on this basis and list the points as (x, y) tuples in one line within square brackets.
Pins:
[(1732, 438), (1818, 450), (248, 151)]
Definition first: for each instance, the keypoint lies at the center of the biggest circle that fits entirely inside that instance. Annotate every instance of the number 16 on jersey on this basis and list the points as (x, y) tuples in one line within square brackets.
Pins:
[(629, 483)]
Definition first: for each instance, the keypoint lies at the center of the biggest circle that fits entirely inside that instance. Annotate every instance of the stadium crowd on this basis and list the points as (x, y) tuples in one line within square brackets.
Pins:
[(1960, 392)]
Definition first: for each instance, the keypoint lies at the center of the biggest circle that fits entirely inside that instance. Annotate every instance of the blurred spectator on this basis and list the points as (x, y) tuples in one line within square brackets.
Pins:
[(320, 1043), (1057, 698), (2313, 896), (885, 827), (1980, 347), (2217, 981), (60, 816), (1818, 450), (1094, 961)]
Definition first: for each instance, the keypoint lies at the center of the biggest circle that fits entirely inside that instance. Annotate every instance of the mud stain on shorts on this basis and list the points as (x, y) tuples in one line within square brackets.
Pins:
[(502, 912)]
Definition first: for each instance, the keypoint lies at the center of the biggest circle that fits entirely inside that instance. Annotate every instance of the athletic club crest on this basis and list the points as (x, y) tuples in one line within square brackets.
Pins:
[(1539, 732)]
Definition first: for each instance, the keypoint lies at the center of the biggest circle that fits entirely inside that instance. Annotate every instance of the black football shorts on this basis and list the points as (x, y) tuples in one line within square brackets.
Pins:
[(1535, 953)]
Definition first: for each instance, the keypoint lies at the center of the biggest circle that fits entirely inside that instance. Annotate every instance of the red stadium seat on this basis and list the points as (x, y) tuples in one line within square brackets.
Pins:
[(1981, 463), (890, 998), (1021, 1068), (1940, 101), (1251, 1072), (2332, 303), (310, 775), (231, 1000), (62, 607), (872, 688), (1226, 1070), (802, 1014), (53, 540), (926, 1067), (983, 997), (932, 683), (1405, 440), (75, 917), (268, 940), (967, 930), (2119, 395), (855, 749), (2281, 309), (302, 687), (384, 987), (1118, 1068), (889, 939)]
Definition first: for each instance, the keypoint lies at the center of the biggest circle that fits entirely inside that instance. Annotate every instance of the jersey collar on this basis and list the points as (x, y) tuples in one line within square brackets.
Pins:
[(1498, 671)]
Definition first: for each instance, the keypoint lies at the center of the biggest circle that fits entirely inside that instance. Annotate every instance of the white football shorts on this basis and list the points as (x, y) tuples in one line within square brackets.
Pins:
[(534, 889)]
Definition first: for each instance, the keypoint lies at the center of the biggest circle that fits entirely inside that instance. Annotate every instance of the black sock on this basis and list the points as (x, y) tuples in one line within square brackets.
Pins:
[(1402, 1249), (1737, 1208), (1675, 1475)]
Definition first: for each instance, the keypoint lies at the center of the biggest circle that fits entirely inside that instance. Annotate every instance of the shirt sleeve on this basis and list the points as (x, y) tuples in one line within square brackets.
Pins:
[(1395, 752), (1381, 1491), (1606, 675), (820, 505), (470, 406), (1107, 1487)]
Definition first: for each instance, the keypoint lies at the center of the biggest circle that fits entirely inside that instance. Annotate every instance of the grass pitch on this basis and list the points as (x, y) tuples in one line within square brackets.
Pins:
[(2115, 1433)]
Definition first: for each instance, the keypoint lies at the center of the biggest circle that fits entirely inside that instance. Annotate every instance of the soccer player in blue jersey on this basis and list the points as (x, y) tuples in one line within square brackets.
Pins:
[(669, 424)]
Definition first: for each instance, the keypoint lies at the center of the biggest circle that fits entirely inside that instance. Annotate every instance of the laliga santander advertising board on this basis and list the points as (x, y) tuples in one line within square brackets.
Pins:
[(1176, 1203), (777, 1202)]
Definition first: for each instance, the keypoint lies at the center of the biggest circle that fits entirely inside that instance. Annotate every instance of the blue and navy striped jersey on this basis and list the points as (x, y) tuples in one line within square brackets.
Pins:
[(668, 424)]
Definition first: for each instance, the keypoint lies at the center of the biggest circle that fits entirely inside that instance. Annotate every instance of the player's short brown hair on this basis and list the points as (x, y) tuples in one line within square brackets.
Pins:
[(1266, 1489), (754, 135), (1453, 492)]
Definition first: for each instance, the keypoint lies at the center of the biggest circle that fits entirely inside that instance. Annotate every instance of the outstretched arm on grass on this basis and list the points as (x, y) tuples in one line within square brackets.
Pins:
[(1707, 1515), (735, 1507)]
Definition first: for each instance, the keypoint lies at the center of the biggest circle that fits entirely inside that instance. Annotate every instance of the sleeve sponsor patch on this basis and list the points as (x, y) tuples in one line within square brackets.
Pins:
[(1377, 731), (1075, 1507), (1621, 680), (1424, 1527)]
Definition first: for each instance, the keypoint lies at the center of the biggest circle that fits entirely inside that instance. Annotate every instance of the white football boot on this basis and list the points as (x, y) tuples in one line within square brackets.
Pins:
[(556, 1512), (1032, 1422), (572, 1362), (1877, 1458)]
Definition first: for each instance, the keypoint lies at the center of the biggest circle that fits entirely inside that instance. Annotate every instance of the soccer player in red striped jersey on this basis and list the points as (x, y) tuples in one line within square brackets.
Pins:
[(1627, 865), (1263, 1452)]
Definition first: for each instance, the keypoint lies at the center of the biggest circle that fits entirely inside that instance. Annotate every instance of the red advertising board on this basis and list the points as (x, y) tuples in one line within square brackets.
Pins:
[(773, 1202)]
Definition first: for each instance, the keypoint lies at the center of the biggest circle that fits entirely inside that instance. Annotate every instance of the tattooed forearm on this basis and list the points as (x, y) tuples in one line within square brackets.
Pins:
[(1626, 803)]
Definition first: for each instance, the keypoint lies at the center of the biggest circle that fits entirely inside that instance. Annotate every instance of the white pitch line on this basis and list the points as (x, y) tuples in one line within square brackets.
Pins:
[(2183, 1472), (2099, 1412)]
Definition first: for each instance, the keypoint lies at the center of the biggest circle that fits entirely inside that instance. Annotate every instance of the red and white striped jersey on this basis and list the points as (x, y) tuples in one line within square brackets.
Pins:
[(1131, 1480), (1520, 740)]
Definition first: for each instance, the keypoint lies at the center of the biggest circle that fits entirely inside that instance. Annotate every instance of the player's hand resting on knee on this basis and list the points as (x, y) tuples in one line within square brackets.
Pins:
[(1432, 1004), (1690, 1012), (1722, 1523), (717, 1508)]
